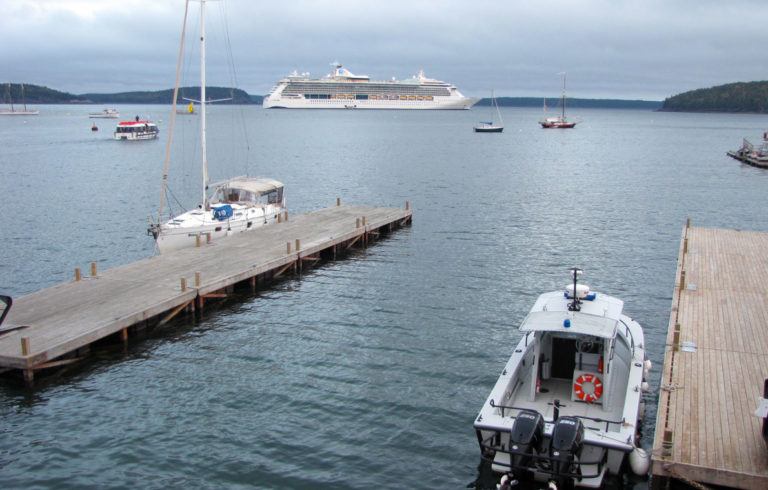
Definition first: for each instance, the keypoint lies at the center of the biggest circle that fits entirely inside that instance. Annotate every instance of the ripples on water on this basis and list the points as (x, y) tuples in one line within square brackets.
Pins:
[(368, 371)]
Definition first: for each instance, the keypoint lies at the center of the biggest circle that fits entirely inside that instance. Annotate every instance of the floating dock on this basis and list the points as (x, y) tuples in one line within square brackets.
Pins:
[(54, 326), (715, 363)]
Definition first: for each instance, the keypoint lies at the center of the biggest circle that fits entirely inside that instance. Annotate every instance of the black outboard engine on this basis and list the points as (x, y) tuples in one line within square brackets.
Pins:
[(525, 437), (567, 437)]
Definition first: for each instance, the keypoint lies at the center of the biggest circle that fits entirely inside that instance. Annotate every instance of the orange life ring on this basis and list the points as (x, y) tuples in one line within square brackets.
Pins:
[(590, 379)]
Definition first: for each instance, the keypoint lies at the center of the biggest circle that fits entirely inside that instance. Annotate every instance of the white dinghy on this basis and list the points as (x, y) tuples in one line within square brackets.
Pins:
[(567, 405)]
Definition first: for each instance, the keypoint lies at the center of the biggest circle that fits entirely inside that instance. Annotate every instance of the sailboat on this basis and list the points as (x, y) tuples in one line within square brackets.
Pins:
[(558, 122), (489, 126), (15, 112), (235, 205)]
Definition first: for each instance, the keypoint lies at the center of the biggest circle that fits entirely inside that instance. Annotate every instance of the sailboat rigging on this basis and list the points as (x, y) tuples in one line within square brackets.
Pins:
[(557, 122), (237, 204)]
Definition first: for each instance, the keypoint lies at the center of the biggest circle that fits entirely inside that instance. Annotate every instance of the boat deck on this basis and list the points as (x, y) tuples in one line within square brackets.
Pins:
[(560, 389), (715, 362), (61, 320)]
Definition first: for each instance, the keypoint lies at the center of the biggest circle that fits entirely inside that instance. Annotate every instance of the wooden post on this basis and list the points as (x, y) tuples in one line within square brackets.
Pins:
[(287, 247), (666, 444), (93, 269), (78, 274), (682, 280), (25, 348), (685, 246), (124, 335), (407, 205), (363, 220), (286, 215), (298, 245), (183, 284), (676, 337), (197, 241), (197, 279), (357, 222), (338, 201), (279, 218), (688, 223), (208, 238)]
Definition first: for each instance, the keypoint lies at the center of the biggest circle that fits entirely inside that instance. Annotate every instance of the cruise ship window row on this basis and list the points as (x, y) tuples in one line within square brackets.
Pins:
[(339, 89)]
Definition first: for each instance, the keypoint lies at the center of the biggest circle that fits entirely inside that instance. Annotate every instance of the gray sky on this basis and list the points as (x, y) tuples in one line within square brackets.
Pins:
[(644, 49)]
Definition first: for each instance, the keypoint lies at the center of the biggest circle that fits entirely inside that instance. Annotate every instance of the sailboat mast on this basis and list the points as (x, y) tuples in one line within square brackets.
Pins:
[(563, 97), (202, 99)]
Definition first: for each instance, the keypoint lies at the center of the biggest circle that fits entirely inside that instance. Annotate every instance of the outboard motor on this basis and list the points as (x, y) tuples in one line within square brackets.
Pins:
[(525, 436), (567, 437)]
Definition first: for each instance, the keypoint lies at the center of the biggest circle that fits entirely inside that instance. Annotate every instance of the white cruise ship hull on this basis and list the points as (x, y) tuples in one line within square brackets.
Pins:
[(302, 103)]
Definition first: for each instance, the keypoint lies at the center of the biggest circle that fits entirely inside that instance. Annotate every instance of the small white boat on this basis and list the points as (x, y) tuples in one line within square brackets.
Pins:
[(489, 126), (568, 403), (136, 130), (105, 114)]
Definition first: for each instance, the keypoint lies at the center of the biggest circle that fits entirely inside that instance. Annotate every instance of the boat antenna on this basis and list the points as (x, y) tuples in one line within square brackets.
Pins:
[(173, 115), (576, 305)]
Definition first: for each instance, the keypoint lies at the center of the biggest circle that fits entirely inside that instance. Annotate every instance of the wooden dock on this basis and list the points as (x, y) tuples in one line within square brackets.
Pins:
[(61, 322), (715, 363)]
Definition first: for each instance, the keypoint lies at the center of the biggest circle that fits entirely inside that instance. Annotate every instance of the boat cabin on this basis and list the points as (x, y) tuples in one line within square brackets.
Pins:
[(249, 192)]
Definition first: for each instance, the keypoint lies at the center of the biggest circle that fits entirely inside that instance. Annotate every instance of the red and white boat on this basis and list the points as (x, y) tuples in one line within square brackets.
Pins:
[(557, 122), (136, 130)]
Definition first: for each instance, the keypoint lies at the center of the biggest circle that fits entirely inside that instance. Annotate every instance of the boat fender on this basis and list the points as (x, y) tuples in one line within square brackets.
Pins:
[(597, 388), (639, 461), (645, 386), (648, 365)]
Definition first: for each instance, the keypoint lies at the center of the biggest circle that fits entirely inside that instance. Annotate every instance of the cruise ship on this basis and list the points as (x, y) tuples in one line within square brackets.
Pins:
[(345, 90)]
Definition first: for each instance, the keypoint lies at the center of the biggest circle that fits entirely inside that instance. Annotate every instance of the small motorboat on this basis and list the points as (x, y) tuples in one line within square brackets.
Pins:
[(567, 406), (105, 114)]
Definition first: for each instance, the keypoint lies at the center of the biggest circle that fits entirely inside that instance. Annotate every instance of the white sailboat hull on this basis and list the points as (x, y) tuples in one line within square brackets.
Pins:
[(183, 231)]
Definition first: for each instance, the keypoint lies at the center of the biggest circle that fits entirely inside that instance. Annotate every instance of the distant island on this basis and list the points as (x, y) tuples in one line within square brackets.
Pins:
[(746, 97), (554, 102), (35, 94)]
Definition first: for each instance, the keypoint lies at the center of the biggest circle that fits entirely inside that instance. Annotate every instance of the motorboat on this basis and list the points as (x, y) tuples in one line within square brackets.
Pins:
[(136, 130), (567, 406), (235, 205), (105, 114)]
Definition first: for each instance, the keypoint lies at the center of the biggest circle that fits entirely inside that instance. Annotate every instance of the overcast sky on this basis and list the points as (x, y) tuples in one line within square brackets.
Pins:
[(643, 49)]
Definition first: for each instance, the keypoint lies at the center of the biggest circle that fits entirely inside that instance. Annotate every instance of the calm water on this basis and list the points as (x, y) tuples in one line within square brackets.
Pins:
[(367, 372)]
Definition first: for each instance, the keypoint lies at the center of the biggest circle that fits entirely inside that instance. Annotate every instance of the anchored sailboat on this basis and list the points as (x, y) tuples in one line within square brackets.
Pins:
[(16, 112), (489, 126), (557, 122), (236, 205)]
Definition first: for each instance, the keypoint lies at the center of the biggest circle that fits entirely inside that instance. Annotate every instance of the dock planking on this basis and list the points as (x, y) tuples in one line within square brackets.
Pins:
[(61, 320), (706, 430)]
